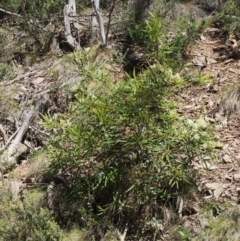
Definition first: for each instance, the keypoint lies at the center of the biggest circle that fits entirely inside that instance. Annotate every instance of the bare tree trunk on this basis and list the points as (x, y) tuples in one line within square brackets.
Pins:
[(94, 18), (97, 20), (69, 12)]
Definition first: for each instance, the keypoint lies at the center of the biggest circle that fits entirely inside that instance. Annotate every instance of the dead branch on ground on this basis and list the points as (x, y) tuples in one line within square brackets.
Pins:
[(10, 153)]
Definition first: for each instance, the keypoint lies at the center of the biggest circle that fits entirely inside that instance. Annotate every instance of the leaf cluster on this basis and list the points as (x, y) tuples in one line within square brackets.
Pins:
[(153, 35)]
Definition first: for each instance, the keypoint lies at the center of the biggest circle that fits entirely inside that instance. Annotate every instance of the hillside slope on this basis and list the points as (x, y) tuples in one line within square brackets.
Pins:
[(210, 98)]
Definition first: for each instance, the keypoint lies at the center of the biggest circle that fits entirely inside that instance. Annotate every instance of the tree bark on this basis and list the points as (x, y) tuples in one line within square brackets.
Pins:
[(97, 18), (69, 12)]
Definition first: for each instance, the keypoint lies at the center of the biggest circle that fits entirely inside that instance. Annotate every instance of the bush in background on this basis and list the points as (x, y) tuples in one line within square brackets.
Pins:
[(229, 17), (26, 221)]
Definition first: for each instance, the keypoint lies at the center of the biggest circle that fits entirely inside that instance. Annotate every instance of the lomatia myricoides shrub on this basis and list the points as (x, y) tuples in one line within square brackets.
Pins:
[(125, 150)]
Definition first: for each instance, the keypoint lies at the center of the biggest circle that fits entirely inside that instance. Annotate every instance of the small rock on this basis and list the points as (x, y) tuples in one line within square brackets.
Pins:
[(38, 81), (17, 97), (211, 61), (227, 159), (217, 192), (227, 193), (210, 103), (24, 162), (215, 185), (213, 167), (236, 176), (228, 177), (223, 80), (214, 89)]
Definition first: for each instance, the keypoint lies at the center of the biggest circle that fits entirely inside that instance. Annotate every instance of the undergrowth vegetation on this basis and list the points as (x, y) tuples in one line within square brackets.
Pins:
[(153, 36), (27, 220), (37, 16), (229, 17), (123, 150), (6, 70)]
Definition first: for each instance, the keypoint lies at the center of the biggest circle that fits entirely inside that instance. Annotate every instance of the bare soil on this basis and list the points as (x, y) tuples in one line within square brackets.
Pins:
[(214, 55)]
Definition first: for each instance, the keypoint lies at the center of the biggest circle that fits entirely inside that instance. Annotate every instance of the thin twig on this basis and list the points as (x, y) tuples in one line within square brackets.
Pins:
[(122, 236), (40, 131), (3, 134), (109, 18), (9, 140)]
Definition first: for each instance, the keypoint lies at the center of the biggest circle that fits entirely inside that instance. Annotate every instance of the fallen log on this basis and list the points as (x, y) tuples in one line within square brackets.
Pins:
[(10, 153)]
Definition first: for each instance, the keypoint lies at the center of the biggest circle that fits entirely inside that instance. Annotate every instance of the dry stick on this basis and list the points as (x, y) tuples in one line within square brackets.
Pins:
[(9, 140), (22, 77), (122, 236), (15, 149), (22, 131), (109, 18), (10, 13)]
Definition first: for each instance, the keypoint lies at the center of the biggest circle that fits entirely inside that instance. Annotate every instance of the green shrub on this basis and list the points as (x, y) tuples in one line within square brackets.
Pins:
[(6, 72), (5, 52), (3, 41), (152, 36), (26, 221), (121, 148), (10, 5), (229, 17), (224, 227)]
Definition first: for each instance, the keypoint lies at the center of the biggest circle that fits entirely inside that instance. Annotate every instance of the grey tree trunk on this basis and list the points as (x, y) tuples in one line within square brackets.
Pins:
[(69, 13), (97, 21)]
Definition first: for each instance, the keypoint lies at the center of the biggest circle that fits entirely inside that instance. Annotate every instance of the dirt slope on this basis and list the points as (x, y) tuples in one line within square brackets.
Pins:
[(214, 56)]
